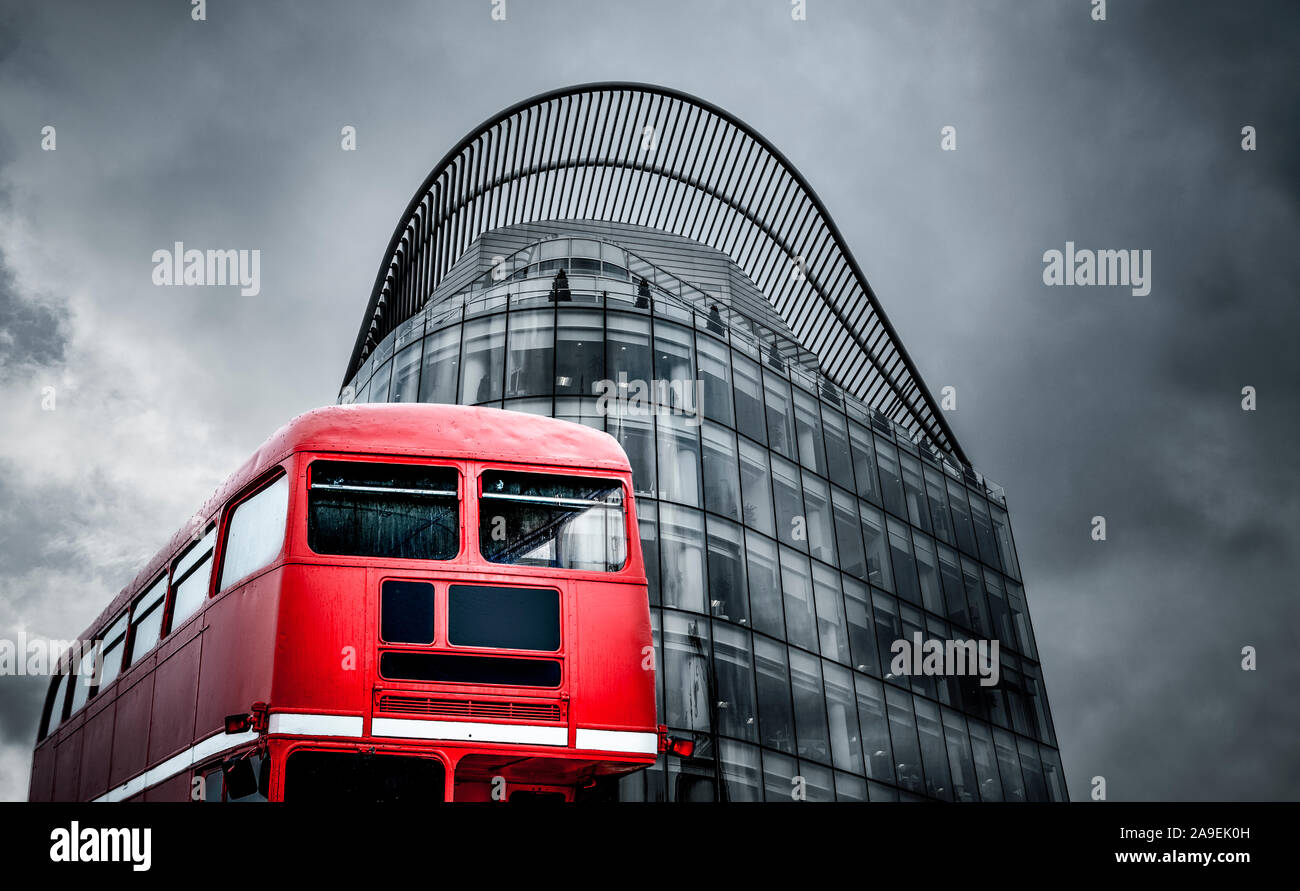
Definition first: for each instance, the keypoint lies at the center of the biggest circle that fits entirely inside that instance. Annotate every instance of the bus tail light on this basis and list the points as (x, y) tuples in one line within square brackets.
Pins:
[(682, 748)]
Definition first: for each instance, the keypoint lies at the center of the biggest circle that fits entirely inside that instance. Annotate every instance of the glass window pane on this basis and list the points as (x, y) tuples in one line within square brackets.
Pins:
[(370, 509), (715, 378), (808, 428), (1006, 549), (864, 462), (787, 499), (686, 675), (954, 592), (937, 496), (543, 520), (842, 715), (938, 784), (647, 521), (406, 374), (820, 526), (889, 628), (779, 772), (531, 357), (580, 353), (742, 776), (900, 557), (977, 609), (1035, 784), (764, 585), (441, 366), (988, 548), (679, 459), (965, 786), (675, 365), (849, 787), (831, 628), (876, 745), (483, 361), (927, 569), (775, 713), (681, 543), (379, 383), (256, 533), (780, 415), (809, 706), (961, 518), (756, 489), (1013, 784), (636, 434), (891, 481), (750, 417), (848, 534), (877, 547), (800, 614), (627, 349), (918, 510), (986, 761), (902, 732), (861, 627), (721, 471), (728, 585), (839, 456), (1054, 774), (147, 614), (734, 667)]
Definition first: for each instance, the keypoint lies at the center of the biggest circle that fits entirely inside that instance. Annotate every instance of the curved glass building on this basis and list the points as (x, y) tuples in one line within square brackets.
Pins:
[(634, 259)]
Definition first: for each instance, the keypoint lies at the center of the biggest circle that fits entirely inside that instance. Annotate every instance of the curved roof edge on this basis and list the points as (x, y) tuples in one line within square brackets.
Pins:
[(654, 155)]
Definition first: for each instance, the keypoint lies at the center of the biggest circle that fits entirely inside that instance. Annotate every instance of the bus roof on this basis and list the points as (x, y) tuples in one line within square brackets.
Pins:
[(414, 429)]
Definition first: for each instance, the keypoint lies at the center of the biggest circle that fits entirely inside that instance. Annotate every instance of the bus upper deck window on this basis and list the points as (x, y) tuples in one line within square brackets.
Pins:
[(365, 509), (561, 522)]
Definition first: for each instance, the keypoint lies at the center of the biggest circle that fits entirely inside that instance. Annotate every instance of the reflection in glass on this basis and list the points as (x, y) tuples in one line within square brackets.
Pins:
[(809, 706), (484, 357), (681, 542), (764, 585), (686, 670), (406, 374), (580, 352), (721, 471), (756, 489), (842, 716), (775, 715), (902, 732), (728, 597), (734, 668), (441, 366)]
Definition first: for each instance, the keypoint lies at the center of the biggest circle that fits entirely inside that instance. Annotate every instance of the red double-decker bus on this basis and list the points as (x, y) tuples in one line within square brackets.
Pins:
[(385, 603)]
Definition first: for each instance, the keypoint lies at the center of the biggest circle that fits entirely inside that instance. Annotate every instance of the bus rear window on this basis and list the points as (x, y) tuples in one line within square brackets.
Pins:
[(363, 509), (561, 522)]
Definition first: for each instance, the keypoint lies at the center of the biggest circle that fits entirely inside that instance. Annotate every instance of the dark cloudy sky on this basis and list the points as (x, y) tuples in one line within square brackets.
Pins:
[(1080, 401)]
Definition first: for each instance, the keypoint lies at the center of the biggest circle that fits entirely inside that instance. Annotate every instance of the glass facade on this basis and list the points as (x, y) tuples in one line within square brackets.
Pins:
[(791, 535)]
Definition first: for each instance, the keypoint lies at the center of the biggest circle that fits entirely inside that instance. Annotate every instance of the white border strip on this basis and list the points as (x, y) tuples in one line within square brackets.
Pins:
[(183, 761), (470, 731), (618, 741), (298, 724)]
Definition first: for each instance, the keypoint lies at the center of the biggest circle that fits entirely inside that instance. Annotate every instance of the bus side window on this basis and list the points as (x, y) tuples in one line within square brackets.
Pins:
[(255, 533), (190, 577), (53, 714)]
